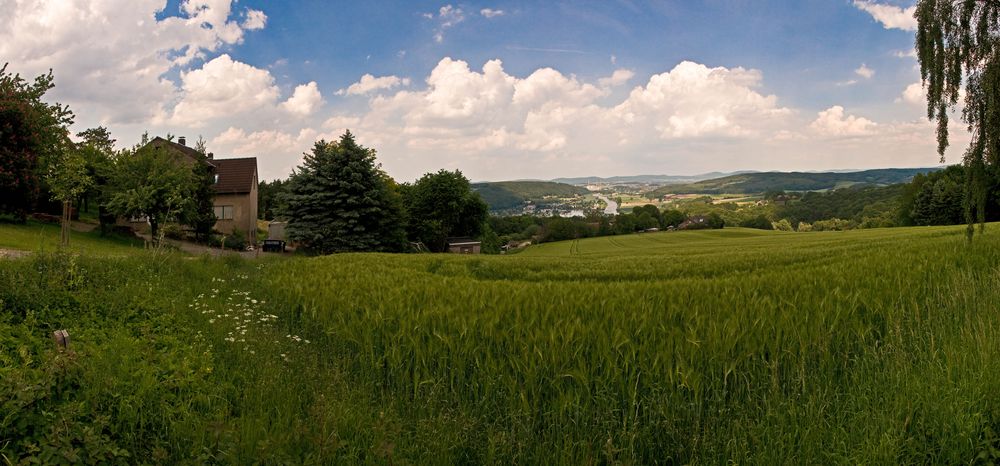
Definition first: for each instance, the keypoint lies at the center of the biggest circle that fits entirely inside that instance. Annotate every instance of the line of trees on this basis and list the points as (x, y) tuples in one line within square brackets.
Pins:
[(643, 218), (340, 200)]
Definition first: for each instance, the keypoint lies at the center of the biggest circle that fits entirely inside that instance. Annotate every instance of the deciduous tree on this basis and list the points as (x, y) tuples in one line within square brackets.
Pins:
[(958, 46), (442, 205), (68, 180), (152, 184), (32, 133)]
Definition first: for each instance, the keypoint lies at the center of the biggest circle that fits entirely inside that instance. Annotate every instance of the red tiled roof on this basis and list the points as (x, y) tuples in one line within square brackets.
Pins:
[(236, 176)]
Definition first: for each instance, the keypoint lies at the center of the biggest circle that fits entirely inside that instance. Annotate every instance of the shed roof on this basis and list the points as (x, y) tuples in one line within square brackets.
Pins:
[(462, 241)]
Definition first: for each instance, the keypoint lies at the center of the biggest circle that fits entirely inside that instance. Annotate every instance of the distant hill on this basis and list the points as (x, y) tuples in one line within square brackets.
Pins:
[(503, 195), (759, 182), (647, 179)]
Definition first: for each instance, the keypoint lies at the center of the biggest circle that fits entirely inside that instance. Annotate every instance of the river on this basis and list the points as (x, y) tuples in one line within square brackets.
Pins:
[(612, 208)]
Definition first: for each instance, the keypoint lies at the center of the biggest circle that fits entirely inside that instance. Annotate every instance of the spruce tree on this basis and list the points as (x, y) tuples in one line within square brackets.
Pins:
[(339, 200)]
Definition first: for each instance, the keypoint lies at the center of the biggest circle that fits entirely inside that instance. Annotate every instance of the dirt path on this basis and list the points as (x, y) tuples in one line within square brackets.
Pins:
[(199, 249)]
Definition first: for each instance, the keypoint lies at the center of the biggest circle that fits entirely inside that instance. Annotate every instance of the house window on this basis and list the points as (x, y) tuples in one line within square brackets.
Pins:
[(224, 212), (215, 179)]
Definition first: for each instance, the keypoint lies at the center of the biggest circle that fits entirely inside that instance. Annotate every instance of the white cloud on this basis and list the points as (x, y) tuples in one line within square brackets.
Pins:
[(864, 71), (833, 122), (447, 17), (891, 17), (912, 53), (493, 125), (491, 13), (913, 94), (369, 84), (255, 19), (223, 88), (619, 77), (305, 100), (110, 57), (693, 100), (274, 149)]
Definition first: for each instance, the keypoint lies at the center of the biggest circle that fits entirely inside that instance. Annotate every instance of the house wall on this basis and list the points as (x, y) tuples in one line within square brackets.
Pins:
[(244, 214)]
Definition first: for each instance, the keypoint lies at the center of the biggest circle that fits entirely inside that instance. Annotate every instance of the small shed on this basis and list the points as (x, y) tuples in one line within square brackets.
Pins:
[(276, 230), (464, 245)]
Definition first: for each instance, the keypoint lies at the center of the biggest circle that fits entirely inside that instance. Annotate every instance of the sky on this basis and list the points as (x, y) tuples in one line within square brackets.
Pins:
[(497, 89)]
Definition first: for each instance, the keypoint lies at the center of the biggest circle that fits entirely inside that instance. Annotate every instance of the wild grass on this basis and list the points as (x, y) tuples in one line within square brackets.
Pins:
[(869, 346), (36, 236)]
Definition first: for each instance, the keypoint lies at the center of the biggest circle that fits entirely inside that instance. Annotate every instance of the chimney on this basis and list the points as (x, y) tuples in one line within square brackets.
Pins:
[(211, 156), (182, 141)]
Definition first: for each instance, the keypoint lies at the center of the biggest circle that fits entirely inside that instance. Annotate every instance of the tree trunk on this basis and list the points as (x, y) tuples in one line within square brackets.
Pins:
[(64, 231), (153, 230)]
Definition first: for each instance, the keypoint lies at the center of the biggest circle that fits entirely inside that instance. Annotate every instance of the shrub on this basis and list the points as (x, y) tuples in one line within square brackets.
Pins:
[(759, 222), (783, 225), (174, 231), (235, 241), (833, 224)]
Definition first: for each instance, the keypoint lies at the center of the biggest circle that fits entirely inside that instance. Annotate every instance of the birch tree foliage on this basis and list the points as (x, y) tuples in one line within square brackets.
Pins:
[(958, 46)]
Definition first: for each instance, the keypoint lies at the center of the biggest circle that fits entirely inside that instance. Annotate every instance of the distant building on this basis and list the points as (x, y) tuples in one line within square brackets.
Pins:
[(235, 186), (694, 223), (464, 245)]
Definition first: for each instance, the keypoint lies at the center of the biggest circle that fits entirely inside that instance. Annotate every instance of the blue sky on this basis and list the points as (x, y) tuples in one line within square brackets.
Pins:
[(496, 89), (804, 47)]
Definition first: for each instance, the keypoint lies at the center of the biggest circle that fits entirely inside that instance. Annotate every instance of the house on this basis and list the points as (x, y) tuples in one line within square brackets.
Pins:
[(463, 245), (235, 186), (696, 222)]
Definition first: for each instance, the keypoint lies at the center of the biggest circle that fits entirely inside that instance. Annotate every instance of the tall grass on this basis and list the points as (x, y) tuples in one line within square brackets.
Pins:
[(872, 346)]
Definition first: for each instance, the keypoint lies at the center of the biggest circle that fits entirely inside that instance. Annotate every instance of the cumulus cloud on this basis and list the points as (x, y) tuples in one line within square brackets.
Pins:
[(693, 100), (891, 17), (864, 71), (369, 84), (491, 13), (833, 122), (493, 124), (255, 19), (110, 57), (913, 94), (619, 77), (305, 100), (222, 88)]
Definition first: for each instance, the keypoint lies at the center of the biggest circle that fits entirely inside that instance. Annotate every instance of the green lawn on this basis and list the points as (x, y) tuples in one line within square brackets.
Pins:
[(735, 345), (36, 236)]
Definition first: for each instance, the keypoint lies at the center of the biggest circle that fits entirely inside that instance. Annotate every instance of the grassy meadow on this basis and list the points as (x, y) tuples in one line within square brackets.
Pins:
[(746, 346), (37, 236)]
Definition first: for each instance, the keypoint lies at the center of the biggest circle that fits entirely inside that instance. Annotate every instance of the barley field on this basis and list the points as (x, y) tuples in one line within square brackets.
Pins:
[(744, 346)]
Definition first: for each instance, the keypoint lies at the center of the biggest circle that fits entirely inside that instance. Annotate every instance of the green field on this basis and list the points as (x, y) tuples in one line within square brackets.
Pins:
[(35, 236), (866, 346)]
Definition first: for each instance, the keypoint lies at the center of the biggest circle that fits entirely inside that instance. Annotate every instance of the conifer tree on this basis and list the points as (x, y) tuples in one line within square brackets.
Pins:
[(339, 200)]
